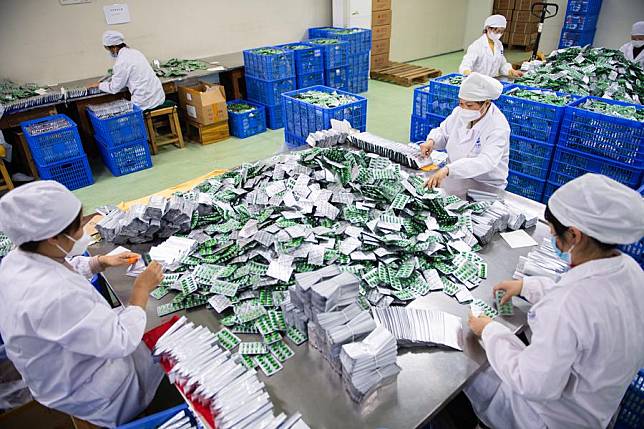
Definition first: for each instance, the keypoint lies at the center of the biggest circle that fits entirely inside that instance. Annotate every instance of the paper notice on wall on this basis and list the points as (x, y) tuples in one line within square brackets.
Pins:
[(116, 13)]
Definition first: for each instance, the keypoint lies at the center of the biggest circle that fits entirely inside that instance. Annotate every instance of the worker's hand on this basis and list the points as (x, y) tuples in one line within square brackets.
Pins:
[(511, 288), (466, 72), (93, 85), (426, 148), (477, 324), (150, 278), (515, 73), (438, 177), (125, 258)]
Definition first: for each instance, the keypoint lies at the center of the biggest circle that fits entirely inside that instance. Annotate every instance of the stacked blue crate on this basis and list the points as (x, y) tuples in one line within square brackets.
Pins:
[(246, 124), (335, 57), (309, 64), (579, 23), (57, 150), (270, 72)]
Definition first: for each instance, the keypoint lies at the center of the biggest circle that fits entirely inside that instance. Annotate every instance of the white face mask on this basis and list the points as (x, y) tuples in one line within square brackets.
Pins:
[(637, 43), (79, 247), (494, 36), (470, 115)]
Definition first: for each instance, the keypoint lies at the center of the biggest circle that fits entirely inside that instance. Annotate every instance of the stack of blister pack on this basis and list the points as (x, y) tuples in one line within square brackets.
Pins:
[(404, 154), (541, 261)]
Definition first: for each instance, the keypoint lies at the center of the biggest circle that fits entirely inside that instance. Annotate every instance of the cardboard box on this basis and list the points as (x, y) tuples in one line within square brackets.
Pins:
[(204, 103), (526, 4), (377, 5), (380, 46), (379, 61), (504, 4), (381, 17), (524, 27), (381, 32), (505, 39), (523, 39), (524, 16), (505, 12)]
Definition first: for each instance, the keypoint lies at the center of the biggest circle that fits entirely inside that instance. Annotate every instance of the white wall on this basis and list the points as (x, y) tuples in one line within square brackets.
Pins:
[(477, 12), (42, 41), (423, 28), (615, 20)]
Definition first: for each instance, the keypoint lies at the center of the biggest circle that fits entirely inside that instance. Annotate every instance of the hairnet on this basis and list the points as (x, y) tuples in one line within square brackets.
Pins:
[(601, 208), (113, 38), (638, 29), (37, 211), (497, 21), (478, 87)]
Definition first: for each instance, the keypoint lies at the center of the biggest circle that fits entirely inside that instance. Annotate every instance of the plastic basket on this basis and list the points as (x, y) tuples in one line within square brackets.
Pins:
[(125, 159), (631, 413), (583, 7), (268, 92), (532, 119), (358, 84), (74, 173), (308, 58), (337, 78), (359, 63), (421, 105), (616, 138), (247, 124), (420, 127), (274, 117), (55, 145), (526, 186), (580, 22), (530, 157), (293, 141), (319, 32), (269, 67), (359, 40), (301, 118), (334, 55), (576, 38), (155, 420), (548, 191), (121, 129), (310, 79)]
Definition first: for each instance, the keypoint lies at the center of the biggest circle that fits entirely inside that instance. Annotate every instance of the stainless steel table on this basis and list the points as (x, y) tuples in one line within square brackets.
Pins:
[(429, 379)]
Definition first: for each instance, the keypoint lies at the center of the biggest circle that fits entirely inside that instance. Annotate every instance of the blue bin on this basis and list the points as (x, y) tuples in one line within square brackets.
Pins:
[(293, 141), (308, 59), (268, 92), (576, 38), (580, 22), (421, 106), (247, 124), (334, 55), (310, 79), (119, 130), (73, 173), (55, 145), (530, 157), (319, 32), (359, 39), (269, 67), (357, 84), (615, 138), (583, 7), (631, 413), (125, 159), (337, 78), (420, 127), (526, 186), (274, 117), (156, 420)]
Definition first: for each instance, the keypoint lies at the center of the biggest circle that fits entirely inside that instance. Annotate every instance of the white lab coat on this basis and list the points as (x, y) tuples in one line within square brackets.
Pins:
[(587, 344), (132, 70), (480, 58), (75, 353), (627, 50), (481, 153)]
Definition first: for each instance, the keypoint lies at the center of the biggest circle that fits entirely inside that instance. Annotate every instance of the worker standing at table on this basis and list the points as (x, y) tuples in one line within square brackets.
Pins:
[(75, 353), (634, 50), (485, 54), (476, 136), (132, 70), (587, 328)]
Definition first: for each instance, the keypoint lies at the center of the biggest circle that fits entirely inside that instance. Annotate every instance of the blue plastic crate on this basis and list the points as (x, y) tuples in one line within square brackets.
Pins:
[(359, 39), (631, 413), (121, 129), (337, 78), (247, 124), (274, 117), (308, 59), (319, 32), (293, 141), (358, 84), (334, 55), (530, 157), (532, 119), (526, 186), (579, 7), (125, 159), (548, 191), (576, 38), (74, 173), (269, 67), (568, 164), (618, 139), (420, 127), (301, 118), (56, 145), (359, 63), (310, 79), (156, 420), (421, 105), (268, 92), (580, 22)]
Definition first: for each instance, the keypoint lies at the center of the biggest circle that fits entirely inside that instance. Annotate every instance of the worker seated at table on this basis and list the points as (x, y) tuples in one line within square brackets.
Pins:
[(476, 136), (132, 70), (485, 54), (634, 50), (75, 353), (587, 327)]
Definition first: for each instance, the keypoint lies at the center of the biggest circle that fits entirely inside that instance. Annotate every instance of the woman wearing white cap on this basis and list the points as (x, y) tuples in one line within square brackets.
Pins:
[(132, 70), (485, 54), (634, 50), (587, 328), (75, 353), (476, 136)]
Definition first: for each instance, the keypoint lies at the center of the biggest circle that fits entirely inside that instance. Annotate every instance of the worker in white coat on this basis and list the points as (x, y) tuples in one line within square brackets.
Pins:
[(485, 54), (587, 328), (75, 353), (476, 136), (132, 70), (634, 50)]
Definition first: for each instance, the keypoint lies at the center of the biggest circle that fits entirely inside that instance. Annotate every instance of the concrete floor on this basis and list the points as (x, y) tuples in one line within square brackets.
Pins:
[(388, 115)]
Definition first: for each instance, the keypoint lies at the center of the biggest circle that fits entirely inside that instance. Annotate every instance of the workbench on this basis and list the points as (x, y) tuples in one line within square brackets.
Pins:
[(430, 377)]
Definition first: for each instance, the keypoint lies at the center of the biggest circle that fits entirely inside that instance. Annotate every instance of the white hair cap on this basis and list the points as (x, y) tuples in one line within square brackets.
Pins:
[(479, 87), (497, 21), (601, 208), (638, 29), (113, 38), (37, 211)]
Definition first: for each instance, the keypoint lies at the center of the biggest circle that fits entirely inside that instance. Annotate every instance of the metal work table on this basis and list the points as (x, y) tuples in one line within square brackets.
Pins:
[(429, 379)]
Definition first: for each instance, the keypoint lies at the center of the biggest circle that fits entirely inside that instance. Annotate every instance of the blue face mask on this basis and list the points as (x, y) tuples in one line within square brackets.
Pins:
[(564, 256)]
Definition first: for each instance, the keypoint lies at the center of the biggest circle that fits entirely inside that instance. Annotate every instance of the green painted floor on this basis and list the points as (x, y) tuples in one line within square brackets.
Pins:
[(388, 115)]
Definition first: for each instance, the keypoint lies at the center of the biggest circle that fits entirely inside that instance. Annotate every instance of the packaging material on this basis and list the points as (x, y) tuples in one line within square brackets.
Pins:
[(524, 27), (204, 103), (377, 5), (507, 13), (379, 61), (503, 4), (523, 39), (381, 46), (524, 16), (381, 32), (526, 5), (381, 17)]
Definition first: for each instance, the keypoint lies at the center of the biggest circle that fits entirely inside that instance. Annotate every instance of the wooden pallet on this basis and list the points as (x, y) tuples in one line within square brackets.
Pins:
[(404, 74)]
